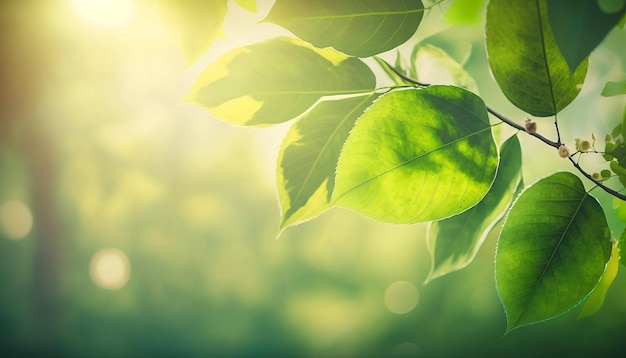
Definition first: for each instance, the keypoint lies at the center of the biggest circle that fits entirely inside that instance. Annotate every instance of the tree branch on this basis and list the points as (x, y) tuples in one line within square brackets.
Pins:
[(518, 126)]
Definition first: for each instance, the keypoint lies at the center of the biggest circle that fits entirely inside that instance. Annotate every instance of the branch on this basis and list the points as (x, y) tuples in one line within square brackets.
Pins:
[(518, 126)]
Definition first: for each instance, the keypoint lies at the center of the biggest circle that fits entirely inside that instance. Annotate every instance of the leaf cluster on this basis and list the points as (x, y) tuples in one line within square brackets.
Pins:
[(414, 152)]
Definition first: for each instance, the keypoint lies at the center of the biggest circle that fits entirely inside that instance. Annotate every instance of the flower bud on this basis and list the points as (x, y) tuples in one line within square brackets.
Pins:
[(564, 151), (530, 126)]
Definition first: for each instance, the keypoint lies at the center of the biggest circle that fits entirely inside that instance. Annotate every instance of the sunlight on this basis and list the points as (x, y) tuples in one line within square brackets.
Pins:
[(109, 269), (105, 13), (16, 219), (401, 297)]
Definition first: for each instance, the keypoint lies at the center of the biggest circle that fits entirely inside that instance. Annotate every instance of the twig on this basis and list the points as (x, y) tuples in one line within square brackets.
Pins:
[(518, 126)]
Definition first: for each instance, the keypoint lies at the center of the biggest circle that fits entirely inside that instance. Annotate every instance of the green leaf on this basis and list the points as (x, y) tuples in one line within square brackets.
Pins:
[(359, 28), (197, 23), (579, 26), (464, 12), (308, 157), (620, 247), (417, 155), (596, 298), (276, 80), (614, 89), (552, 250), (440, 68), (389, 71), (526, 61), (249, 5), (454, 242)]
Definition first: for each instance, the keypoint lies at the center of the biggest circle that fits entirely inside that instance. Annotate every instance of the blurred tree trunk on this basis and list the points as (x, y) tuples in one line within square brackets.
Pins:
[(25, 58)]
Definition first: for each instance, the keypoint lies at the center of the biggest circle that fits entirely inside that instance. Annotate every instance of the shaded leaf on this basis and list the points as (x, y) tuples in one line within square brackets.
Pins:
[(552, 250), (614, 89), (359, 28), (454, 242), (595, 300), (276, 80), (249, 5), (621, 247), (417, 155), (526, 61), (308, 157), (198, 23), (579, 26)]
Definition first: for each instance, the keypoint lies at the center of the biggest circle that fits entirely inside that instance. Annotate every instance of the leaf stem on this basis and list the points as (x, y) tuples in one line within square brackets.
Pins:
[(518, 126)]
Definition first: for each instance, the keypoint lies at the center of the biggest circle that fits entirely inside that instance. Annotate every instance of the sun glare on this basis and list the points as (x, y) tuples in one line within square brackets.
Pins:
[(105, 13), (401, 297), (109, 269)]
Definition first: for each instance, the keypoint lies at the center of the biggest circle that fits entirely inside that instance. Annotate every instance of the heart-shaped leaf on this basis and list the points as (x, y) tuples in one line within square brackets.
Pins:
[(276, 80), (308, 157), (359, 28), (418, 155), (552, 250), (525, 59), (454, 242)]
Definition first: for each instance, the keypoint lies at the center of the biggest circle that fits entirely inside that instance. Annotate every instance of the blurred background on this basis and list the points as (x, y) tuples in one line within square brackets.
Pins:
[(132, 224)]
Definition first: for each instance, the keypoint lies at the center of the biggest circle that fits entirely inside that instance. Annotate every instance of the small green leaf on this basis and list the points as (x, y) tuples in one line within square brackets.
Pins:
[(308, 157), (196, 23), (614, 89), (579, 26), (359, 28), (526, 61), (276, 80), (552, 250), (464, 12), (389, 71), (440, 68), (249, 5), (454, 242), (596, 298), (417, 155)]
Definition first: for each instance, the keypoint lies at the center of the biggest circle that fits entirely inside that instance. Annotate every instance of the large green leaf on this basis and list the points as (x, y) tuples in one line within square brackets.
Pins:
[(197, 23), (418, 155), (276, 80), (579, 26), (360, 28), (552, 250), (454, 242), (308, 157), (526, 61)]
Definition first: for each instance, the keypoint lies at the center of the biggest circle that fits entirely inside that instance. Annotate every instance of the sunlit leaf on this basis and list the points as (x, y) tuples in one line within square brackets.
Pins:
[(276, 80), (360, 28), (526, 61), (552, 250), (249, 5), (614, 89), (595, 300), (579, 26), (464, 12), (454, 242), (433, 65), (417, 155), (308, 157), (197, 23)]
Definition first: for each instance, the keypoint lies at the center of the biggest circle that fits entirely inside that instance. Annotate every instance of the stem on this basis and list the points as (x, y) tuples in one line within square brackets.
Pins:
[(513, 124)]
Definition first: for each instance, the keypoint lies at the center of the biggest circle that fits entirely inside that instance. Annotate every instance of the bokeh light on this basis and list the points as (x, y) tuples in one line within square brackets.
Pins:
[(16, 219), (401, 297), (110, 269), (105, 13)]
